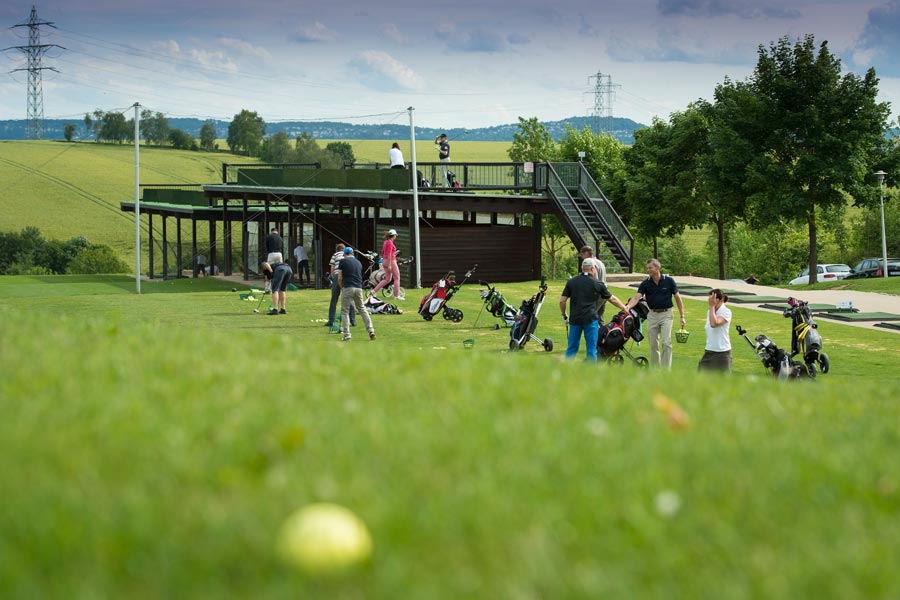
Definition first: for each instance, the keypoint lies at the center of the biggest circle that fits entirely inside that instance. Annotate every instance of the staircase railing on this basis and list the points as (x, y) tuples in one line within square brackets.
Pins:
[(573, 219), (604, 210)]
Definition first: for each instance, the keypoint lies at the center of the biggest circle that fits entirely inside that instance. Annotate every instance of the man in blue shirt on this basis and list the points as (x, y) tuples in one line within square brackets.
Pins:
[(349, 274), (659, 290)]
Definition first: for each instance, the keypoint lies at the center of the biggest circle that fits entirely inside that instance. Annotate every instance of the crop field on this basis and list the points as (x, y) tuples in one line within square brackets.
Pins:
[(152, 446), (370, 151)]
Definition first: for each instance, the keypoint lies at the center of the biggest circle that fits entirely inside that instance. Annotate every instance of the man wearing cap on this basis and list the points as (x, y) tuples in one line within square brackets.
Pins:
[(336, 259), (444, 155), (350, 279), (659, 290), (389, 265)]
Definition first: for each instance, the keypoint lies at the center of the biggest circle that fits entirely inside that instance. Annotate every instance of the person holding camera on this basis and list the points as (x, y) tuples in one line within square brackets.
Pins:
[(717, 354)]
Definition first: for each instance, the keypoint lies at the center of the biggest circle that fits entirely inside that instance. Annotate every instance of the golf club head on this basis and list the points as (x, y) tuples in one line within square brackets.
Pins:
[(256, 310)]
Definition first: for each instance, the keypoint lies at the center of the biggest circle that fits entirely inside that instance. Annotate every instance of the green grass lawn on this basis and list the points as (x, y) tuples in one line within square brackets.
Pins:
[(369, 151), (151, 446)]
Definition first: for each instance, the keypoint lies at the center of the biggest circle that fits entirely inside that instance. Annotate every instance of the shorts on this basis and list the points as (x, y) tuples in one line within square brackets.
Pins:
[(274, 258), (281, 278)]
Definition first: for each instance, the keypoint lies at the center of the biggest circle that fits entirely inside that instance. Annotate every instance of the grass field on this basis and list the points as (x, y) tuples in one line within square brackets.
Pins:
[(369, 151), (151, 446)]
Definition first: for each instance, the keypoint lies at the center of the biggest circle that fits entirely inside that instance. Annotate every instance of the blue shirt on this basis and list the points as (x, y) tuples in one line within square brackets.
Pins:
[(351, 272), (658, 295)]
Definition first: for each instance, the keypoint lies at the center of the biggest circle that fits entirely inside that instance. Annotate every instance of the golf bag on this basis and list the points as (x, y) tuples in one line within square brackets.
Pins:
[(380, 307), (452, 183), (527, 320), (625, 326), (441, 292), (773, 358), (497, 305), (805, 338)]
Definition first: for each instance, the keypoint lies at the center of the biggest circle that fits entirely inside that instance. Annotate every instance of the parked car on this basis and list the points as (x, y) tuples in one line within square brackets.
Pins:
[(831, 272), (871, 267)]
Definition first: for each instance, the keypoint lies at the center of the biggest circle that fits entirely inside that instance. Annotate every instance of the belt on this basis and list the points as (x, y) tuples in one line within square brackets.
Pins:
[(660, 310)]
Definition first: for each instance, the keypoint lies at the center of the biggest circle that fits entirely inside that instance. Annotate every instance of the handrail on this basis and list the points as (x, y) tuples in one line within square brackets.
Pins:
[(553, 175), (604, 210)]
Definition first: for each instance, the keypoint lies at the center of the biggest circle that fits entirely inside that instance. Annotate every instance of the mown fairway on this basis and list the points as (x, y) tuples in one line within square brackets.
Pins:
[(151, 446)]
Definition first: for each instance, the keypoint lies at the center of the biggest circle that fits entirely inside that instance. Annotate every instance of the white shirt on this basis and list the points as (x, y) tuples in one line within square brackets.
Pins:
[(717, 338), (300, 253), (396, 157)]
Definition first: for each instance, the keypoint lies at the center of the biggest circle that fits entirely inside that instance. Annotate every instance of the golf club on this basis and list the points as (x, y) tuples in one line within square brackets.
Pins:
[(256, 310)]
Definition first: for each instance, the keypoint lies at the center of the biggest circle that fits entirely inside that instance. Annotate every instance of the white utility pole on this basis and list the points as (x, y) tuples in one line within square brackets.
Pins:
[(137, 198), (417, 282)]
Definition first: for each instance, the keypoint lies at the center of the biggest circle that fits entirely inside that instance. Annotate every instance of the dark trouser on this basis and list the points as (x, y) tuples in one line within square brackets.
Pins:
[(332, 308), (303, 267), (715, 361)]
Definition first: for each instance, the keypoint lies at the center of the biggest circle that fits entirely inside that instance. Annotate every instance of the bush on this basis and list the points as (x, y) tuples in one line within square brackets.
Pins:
[(95, 259)]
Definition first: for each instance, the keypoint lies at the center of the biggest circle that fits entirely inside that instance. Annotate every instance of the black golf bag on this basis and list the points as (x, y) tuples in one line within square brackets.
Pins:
[(774, 359), (380, 307), (526, 321), (625, 326), (805, 338), (452, 183)]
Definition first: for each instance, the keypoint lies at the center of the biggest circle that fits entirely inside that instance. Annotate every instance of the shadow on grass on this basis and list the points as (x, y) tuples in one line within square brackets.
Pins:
[(23, 286)]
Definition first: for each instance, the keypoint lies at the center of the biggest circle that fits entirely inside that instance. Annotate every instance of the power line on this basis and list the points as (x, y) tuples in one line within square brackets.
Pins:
[(604, 93), (35, 51)]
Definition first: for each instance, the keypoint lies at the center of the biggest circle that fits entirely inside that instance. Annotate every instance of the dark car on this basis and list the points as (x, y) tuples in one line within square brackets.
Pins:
[(871, 267)]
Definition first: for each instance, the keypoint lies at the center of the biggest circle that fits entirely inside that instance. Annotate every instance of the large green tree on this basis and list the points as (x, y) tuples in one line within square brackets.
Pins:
[(532, 143), (208, 136), (245, 132), (812, 132), (277, 149)]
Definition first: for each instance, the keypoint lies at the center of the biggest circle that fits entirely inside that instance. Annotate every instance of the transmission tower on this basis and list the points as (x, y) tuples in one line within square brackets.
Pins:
[(604, 94), (34, 52)]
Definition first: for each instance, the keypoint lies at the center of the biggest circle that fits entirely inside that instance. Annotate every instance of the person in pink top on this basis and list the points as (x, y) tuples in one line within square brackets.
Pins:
[(389, 265)]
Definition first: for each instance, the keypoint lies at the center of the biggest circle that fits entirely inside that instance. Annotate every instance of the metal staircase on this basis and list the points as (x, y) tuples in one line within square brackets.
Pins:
[(588, 217)]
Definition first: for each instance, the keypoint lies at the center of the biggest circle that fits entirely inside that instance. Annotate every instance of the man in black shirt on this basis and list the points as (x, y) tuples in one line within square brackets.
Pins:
[(659, 291), (274, 245), (582, 292), (349, 274)]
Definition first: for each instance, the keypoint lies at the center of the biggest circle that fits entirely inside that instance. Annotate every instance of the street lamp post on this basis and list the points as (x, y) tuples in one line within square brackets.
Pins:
[(884, 266)]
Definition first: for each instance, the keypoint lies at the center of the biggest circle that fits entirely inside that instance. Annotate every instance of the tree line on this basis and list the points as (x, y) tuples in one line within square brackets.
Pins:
[(792, 146)]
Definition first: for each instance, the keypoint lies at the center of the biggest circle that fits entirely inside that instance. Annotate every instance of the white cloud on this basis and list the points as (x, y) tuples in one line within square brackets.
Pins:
[(393, 33), (245, 48), (317, 32), (381, 71), (214, 59)]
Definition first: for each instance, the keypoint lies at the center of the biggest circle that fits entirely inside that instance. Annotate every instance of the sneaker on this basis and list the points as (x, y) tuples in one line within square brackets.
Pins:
[(272, 312), (401, 297), (346, 337), (282, 312), (372, 336), (328, 324)]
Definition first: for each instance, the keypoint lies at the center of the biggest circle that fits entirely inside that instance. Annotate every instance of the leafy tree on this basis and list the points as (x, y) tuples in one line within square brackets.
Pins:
[(97, 258), (68, 131), (114, 127), (603, 156), (812, 132), (277, 148), (182, 140), (532, 143), (342, 150), (208, 136), (308, 149), (155, 128), (88, 124), (245, 132), (646, 163)]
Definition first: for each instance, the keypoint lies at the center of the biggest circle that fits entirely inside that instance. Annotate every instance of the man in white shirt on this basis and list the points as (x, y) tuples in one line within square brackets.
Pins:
[(302, 259)]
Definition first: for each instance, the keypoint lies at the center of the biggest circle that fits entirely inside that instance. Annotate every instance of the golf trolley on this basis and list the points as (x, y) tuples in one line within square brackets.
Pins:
[(441, 292), (613, 337), (805, 338), (774, 359), (497, 305), (527, 320), (373, 275)]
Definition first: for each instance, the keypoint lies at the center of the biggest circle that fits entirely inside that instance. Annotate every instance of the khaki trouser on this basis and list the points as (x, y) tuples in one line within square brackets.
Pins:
[(659, 332)]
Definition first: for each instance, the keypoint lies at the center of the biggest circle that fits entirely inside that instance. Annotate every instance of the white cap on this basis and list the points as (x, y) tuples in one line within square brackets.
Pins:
[(392, 232)]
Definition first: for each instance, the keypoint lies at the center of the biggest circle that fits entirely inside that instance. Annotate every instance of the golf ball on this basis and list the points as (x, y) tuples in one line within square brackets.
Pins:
[(233, 289), (324, 539)]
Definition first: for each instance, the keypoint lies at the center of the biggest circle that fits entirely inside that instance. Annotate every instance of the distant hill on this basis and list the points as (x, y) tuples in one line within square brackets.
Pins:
[(622, 129)]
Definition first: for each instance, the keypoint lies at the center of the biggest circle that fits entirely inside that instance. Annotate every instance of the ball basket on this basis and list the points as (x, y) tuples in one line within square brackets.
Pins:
[(681, 336)]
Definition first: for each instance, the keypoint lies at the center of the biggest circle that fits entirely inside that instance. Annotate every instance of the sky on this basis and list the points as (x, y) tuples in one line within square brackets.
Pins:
[(466, 63)]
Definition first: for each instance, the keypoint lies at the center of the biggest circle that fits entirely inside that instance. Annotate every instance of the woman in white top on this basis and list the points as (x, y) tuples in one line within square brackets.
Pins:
[(717, 356), (396, 157)]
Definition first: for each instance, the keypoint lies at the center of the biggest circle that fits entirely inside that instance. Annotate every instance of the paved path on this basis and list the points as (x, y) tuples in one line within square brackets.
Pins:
[(864, 301)]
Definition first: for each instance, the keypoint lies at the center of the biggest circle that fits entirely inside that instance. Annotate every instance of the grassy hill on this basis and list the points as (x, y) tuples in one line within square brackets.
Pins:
[(71, 189)]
